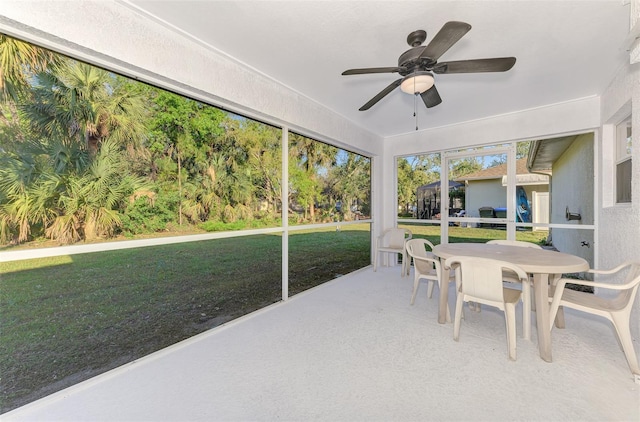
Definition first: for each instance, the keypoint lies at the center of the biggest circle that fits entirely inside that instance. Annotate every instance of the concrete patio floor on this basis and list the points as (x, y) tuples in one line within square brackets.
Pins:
[(354, 349)]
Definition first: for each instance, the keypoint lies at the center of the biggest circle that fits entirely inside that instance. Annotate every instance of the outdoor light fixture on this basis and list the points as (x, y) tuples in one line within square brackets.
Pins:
[(417, 83)]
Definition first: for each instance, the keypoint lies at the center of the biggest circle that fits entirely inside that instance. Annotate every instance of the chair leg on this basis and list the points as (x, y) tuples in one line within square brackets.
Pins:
[(559, 320), (621, 324), (375, 261), (526, 310), (559, 315), (416, 282), (458, 317), (510, 318), (430, 288), (448, 314), (404, 266), (533, 302)]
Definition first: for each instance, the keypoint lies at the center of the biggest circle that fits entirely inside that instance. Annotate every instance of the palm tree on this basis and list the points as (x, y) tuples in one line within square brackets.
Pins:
[(31, 181), (90, 200), (350, 182), (263, 146), (312, 156), (58, 179), (88, 104), (18, 61)]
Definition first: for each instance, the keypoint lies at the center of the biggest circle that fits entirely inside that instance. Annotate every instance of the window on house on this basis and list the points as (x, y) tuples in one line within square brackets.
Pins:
[(623, 161)]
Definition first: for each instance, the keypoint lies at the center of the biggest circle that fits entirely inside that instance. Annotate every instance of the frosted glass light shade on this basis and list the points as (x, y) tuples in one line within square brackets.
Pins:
[(417, 83)]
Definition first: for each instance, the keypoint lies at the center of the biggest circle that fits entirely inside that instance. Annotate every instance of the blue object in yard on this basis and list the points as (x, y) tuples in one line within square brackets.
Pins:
[(500, 212), (523, 210)]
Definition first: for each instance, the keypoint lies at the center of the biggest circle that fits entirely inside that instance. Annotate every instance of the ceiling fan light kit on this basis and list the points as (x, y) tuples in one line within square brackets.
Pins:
[(417, 65), (417, 83)]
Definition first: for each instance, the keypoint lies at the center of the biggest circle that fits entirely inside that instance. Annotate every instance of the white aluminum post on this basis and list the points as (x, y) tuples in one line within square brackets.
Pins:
[(285, 212)]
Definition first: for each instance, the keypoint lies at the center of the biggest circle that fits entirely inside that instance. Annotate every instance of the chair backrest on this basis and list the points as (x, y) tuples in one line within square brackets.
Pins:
[(514, 243), (633, 274), (417, 248), (625, 298), (481, 277), (395, 238)]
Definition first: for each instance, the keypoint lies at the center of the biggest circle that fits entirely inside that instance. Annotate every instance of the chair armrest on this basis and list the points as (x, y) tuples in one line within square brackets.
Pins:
[(421, 258), (611, 286), (524, 277), (613, 270), (380, 238)]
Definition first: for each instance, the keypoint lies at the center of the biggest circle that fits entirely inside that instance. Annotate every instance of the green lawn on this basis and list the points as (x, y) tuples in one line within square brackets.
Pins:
[(65, 319), (472, 235), (68, 318)]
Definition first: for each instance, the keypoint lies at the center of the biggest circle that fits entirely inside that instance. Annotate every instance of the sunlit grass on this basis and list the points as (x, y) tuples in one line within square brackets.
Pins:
[(471, 234), (32, 264)]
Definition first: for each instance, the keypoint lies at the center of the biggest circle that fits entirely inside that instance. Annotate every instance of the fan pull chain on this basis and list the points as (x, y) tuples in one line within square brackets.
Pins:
[(415, 108), (415, 100)]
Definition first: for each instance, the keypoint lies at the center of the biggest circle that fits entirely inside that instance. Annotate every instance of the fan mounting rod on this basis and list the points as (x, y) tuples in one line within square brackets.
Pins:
[(416, 38)]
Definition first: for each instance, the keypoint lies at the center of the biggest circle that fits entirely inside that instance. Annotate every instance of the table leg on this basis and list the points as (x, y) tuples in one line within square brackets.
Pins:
[(553, 280), (541, 294), (444, 294)]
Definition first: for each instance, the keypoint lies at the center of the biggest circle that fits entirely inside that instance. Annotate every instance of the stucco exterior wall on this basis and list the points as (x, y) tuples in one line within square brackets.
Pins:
[(618, 236), (491, 193), (484, 193), (572, 187)]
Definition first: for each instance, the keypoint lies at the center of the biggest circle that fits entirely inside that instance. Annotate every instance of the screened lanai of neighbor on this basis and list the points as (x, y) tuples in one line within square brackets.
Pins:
[(226, 273)]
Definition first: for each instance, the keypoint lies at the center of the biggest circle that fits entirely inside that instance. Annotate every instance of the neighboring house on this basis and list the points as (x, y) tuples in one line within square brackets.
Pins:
[(487, 188), (570, 165)]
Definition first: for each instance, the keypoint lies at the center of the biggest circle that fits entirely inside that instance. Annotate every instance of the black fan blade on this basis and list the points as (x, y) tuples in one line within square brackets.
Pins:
[(499, 64), (393, 85), (431, 97), (449, 34), (372, 70)]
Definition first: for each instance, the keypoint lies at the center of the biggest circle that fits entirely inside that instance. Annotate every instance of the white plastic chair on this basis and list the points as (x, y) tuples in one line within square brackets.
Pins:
[(392, 241), (616, 309), (511, 278), (480, 280), (426, 266)]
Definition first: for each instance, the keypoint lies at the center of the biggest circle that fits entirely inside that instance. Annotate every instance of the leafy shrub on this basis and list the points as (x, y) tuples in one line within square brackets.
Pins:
[(243, 212), (143, 216), (229, 214)]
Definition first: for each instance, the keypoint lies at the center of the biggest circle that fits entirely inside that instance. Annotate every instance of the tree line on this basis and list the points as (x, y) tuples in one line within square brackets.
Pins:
[(88, 154)]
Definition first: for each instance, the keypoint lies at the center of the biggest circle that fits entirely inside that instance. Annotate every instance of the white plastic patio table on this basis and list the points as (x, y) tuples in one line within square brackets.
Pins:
[(539, 262)]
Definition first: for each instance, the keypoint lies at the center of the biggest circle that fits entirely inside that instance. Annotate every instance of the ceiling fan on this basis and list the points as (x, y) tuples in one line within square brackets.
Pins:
[(417, 65)]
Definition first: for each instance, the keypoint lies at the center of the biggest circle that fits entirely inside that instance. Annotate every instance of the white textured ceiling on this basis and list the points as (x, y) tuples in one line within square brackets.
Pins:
[(565, 50)]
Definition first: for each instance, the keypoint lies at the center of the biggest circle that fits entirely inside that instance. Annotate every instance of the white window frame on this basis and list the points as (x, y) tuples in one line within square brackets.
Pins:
[(622, 153)]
